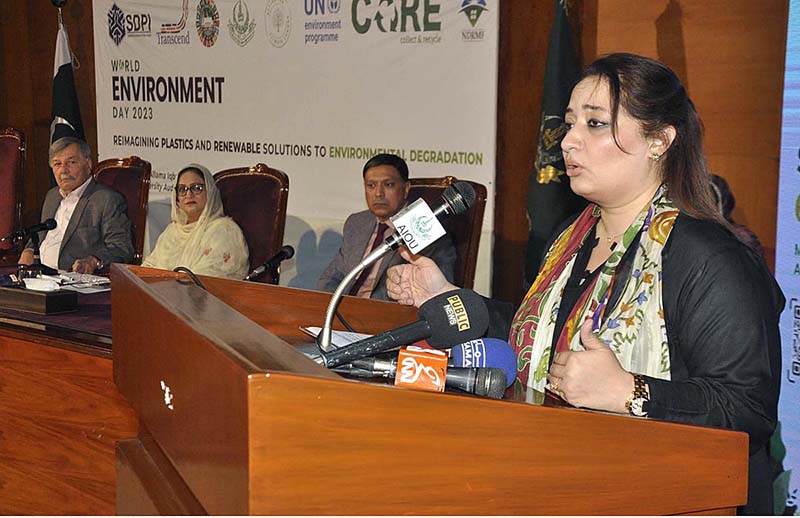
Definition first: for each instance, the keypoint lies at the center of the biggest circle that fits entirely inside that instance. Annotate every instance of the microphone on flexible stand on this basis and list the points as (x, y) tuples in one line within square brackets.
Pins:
[(48, 224), (272, 264), (456, 199), (36, 268)]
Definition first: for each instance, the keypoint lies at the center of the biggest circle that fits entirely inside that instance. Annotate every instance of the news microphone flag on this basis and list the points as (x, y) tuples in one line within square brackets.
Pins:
[(418, 226), (66, 120)]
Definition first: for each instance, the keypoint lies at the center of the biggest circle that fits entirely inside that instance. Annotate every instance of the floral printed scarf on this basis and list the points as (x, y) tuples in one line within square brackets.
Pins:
[(634, 328)]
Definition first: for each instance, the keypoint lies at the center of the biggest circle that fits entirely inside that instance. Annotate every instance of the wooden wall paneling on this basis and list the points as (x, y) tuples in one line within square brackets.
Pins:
[(28, 35), (16, 86), (730, 54), (524, 33), (42, 28)]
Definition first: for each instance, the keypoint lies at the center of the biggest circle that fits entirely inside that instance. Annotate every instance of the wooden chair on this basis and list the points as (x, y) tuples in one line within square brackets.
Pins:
[(12, 167), (131, 178), (255, 197), (463, 229)]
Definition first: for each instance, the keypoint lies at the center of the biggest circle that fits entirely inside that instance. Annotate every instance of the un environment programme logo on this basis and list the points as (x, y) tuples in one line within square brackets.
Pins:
[(121, 24), (418, 22), (240, 26), (323, 23), (207, 22), (473, 9), (278, 22)]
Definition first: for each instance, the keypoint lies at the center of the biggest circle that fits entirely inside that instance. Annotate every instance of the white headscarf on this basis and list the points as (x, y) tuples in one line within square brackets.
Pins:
[(213, 245)]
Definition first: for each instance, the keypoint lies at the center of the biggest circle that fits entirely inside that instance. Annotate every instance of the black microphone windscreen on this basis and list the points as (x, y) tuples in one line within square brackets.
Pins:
[(459, 197), (490, 382), (288, 251), (50, 224), (455, 317)]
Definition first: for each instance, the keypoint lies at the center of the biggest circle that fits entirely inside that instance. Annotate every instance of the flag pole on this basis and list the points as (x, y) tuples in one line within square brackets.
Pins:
[(66, 116)]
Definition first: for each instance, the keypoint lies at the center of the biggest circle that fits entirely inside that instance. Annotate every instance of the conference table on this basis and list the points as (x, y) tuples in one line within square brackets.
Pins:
[(203, 406)]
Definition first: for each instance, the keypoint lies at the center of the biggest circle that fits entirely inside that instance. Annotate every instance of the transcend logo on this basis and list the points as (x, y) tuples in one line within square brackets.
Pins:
[(459, 312)]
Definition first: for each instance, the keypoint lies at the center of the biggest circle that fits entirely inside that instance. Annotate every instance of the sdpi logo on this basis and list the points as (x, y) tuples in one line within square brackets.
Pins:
[(121, 25), (473, 9), (116, 24)]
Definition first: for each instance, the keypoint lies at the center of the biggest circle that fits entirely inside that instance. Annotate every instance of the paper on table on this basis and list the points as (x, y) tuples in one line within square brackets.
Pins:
[(86, 289), (81, 282), (338, 338)]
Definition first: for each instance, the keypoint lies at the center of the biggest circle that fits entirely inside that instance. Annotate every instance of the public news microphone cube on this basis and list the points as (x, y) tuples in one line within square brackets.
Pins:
[(447, 319)]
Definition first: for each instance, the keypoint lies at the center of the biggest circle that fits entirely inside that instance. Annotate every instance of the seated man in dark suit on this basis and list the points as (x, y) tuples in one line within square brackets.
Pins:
[(386, 189), (93, 229)]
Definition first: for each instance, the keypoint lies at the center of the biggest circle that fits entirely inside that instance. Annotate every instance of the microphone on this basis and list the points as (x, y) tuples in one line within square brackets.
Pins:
[(453, 317), (486, 352), (481, 381), (286, 252), (413, 225), (48, 224), (456, 199)]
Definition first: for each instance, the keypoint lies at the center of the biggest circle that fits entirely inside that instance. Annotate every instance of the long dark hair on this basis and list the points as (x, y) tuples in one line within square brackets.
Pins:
[(652, 94)]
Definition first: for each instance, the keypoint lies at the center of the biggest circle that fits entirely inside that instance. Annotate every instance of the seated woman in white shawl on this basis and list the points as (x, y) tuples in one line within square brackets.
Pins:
[(200, 237)]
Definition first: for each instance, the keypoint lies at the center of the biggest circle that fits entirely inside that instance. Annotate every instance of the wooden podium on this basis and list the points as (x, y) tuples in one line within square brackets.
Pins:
[(235, 421)]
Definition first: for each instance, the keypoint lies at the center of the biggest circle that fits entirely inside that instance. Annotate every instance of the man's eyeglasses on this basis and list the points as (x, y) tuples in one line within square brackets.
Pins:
[(196, 188)]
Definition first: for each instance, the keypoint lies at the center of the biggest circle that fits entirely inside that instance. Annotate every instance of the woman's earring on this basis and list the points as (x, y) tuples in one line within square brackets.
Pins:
[(655, 157)]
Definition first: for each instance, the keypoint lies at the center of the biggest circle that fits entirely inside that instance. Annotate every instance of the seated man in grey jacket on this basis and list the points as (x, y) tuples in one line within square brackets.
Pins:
[(92, 225), (386, 189)]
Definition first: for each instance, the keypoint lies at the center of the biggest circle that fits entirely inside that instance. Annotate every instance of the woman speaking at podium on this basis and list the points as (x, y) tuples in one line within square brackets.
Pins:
[(200, 237), (645, 303)]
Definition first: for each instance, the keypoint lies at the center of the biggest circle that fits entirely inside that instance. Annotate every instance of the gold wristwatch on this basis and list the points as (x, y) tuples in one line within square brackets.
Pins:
[(638, 402)]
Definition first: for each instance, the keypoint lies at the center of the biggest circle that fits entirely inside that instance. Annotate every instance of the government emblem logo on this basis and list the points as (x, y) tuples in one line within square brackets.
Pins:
[(473, 9), (240, 26), (423, 225), (207, 22), (334, 6), (116, 24), (278, 17)]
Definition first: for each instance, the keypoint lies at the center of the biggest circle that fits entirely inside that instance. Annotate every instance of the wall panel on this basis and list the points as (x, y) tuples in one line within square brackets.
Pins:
[(730, 54)]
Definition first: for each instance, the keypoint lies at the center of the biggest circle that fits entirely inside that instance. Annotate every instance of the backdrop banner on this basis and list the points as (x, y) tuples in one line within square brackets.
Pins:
[(311, 87), (787, 271)]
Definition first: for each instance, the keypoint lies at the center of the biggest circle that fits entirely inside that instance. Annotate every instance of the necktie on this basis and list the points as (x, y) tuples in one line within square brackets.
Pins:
[(365, 273)]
